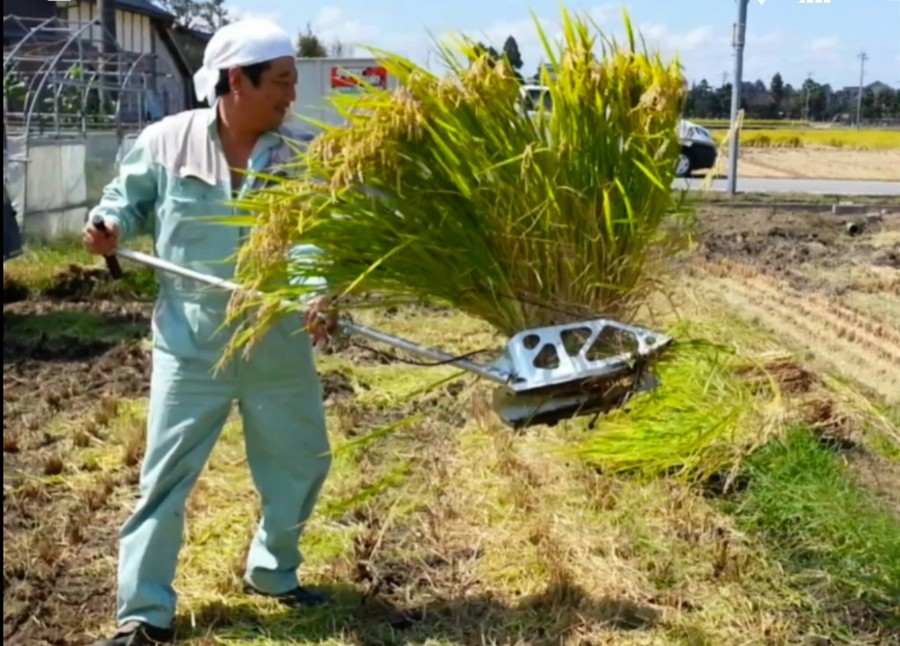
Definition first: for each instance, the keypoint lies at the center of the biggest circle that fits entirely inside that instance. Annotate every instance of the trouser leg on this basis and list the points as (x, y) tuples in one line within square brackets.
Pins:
[(289, 457), (188, 409)]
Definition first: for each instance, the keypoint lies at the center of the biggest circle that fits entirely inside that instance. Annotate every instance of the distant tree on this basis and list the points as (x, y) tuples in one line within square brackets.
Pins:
[(339, 49), (869, 105), (892, 104), (207, 15), (513, 56), (723, 101), (776, 87), (483, 50), (512, 53), (185, 11), (814, 95), (213, 14), (309, 45)]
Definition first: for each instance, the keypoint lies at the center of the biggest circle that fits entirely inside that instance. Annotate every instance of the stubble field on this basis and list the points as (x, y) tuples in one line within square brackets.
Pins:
[(451, 529), (779, 150)]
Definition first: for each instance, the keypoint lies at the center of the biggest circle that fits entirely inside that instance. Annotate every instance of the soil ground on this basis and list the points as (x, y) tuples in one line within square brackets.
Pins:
[(455, 530), (820, 289), (68, 365), (818, 163)]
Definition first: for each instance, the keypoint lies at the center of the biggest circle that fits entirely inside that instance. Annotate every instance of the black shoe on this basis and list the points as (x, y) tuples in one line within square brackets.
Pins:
[(138, 634), (299, 597)]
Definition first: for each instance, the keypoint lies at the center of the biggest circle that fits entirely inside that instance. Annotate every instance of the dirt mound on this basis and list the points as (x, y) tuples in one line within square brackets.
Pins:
[(13, 290), (791, 245), (77, 282)]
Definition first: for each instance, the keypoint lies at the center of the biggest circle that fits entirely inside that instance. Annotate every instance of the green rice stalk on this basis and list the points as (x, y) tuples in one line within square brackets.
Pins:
[(826, 528), (446, 189), (714, 408)]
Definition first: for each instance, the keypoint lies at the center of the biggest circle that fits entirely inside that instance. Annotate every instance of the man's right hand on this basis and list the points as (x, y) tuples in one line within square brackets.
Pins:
[(101, 243)]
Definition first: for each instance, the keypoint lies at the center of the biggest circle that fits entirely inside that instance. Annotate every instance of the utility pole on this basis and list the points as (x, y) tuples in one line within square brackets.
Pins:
[(862, 67), (740, 30)]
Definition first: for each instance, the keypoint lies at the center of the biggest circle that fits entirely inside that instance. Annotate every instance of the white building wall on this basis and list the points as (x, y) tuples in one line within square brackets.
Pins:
[(134, 32)]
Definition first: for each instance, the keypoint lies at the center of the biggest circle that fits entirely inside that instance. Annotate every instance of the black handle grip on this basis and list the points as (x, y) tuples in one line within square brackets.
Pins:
[(112, 262)]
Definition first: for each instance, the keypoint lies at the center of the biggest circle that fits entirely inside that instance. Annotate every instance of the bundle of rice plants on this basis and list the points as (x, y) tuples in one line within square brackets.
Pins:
[(447, 189)]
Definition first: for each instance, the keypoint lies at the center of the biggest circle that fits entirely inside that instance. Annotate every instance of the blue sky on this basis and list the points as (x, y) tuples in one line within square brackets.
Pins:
[(783, 35)]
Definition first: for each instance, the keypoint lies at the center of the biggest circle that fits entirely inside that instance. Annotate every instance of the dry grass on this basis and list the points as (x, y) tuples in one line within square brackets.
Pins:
[(818, 163), (453, 530), (482, 536)]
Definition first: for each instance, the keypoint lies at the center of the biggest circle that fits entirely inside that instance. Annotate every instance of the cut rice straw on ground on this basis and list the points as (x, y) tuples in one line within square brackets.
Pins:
[(715, 406)]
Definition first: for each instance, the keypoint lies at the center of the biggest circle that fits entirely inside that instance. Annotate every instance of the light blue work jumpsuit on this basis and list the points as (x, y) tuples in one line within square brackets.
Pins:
[(175, 176)]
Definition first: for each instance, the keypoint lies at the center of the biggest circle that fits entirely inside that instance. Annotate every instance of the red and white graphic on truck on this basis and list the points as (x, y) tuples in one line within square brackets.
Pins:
[(342, 78)]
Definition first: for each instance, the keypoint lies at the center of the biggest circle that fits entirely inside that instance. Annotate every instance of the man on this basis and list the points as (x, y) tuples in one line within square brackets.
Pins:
[(181, 171)]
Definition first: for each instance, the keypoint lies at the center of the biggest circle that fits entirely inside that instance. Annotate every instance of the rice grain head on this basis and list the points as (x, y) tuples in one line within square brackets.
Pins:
[(447, 189)]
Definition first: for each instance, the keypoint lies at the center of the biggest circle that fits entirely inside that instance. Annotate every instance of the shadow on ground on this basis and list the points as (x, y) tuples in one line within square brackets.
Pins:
[(561, 611), (66, 336)]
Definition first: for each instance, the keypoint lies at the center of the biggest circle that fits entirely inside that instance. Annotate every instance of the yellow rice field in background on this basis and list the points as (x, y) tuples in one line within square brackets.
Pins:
[(816, 137)]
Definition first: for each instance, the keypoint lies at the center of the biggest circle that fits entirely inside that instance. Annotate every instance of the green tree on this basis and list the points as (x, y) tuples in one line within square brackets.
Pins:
[(776, 87), (198, 14), (512, 53), (213, 14), (309, 45), (814, 96), (869, 104), (483, 50), (892, 104)]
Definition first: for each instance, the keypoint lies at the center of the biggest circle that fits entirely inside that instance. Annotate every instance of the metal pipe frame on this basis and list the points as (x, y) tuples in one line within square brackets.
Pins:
[(53, 62), (72, 32)]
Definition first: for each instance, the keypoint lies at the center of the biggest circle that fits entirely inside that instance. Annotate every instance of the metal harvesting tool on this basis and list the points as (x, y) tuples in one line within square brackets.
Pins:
[(542, 376)]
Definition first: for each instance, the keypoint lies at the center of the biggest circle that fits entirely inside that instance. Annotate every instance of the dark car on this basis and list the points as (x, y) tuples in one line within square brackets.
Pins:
[(698, 149)]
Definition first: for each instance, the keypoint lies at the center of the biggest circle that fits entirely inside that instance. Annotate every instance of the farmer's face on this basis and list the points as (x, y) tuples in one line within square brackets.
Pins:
[(267, 105)]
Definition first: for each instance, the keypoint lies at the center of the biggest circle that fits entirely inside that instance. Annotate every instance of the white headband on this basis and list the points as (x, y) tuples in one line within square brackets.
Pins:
[(245, 42)]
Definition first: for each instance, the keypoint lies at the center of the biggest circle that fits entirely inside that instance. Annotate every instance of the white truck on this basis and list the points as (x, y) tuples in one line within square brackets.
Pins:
[(320, 78)]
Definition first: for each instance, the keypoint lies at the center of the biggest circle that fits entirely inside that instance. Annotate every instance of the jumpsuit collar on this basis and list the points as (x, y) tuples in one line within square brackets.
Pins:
[(259, 158), (267, 141)]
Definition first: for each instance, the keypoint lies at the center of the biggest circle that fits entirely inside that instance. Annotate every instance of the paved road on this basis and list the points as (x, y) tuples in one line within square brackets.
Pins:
[(812, 186)]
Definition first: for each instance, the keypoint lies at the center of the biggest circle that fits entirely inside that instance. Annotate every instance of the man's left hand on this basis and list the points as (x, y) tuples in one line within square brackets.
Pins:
[(321, 320)]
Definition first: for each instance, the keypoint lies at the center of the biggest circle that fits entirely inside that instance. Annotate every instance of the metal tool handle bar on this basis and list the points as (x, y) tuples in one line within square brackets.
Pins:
[(112, 263), (348, 326)]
